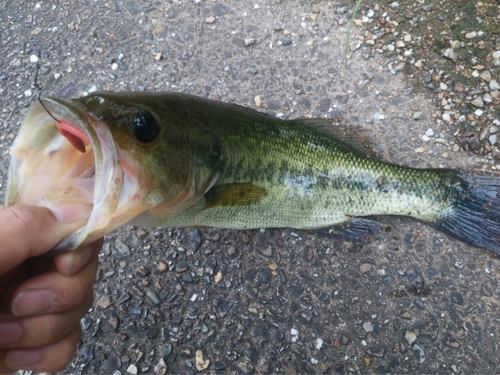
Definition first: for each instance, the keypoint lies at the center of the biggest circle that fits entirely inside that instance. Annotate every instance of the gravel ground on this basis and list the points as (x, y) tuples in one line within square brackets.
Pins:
[(423, 75)]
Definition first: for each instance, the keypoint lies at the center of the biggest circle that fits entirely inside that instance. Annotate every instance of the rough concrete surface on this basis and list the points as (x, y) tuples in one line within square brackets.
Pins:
[(410, 299)]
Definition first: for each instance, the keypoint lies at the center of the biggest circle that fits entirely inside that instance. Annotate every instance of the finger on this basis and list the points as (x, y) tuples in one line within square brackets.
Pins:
[(51, 358), (71, 262), (27, 231), (55, 293), (38, 331)]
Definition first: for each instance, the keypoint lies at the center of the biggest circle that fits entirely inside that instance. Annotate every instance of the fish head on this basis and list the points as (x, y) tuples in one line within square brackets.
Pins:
[(117, 154)]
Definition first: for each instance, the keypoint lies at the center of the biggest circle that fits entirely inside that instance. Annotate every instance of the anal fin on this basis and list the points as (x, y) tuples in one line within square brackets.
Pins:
[(358, 230)]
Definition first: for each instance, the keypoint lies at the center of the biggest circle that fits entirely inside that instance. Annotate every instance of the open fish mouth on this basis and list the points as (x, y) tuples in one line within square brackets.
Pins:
[(63, 156)]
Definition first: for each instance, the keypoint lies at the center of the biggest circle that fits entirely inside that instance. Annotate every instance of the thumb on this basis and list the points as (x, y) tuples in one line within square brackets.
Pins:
[(28, 231)]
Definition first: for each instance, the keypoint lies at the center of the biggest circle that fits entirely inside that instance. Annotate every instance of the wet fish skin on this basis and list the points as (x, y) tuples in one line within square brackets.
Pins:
[(222, 165)]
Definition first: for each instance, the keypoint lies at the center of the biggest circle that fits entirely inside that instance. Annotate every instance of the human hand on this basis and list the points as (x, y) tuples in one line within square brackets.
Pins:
[(42, 299)]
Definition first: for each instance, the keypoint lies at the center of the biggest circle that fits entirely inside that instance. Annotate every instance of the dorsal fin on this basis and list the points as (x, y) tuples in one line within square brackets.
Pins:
[(354, 137)]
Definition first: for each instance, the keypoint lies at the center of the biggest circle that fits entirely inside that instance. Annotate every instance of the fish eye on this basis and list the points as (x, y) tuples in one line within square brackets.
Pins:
[(146, 128)]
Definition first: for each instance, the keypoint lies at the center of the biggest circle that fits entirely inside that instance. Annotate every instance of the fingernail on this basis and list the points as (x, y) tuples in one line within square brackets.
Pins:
[(33, 302), (71, 257), (21, 359), (69, 213), (10, 332)]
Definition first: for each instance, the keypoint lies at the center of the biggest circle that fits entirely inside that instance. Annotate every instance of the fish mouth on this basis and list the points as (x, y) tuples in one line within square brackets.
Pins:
[(64, 156)]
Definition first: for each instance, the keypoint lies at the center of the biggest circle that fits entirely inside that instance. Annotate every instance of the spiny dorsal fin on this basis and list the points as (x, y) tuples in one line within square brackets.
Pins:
[(352, 136), (234, 195)]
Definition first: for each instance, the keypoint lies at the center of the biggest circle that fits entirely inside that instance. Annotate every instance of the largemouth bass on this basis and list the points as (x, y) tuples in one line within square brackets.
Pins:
[(168, 159)]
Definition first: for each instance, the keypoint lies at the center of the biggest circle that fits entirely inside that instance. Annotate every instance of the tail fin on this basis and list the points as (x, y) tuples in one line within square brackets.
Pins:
[(475, 216)]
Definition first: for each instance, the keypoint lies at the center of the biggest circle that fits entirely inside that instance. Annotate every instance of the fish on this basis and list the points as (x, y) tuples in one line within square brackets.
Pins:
[(168, 159)]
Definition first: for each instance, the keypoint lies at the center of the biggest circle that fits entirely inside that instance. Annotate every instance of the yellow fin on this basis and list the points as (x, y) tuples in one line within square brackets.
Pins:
[(234, 195)]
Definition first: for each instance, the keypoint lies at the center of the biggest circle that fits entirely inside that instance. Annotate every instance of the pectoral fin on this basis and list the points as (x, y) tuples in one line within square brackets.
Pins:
[(233, 195)]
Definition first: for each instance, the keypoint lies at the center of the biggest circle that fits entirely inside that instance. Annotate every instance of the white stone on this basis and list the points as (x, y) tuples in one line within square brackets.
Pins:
[(429, 132), (294, 332), (34, 58), (494, 85), (478, 112), (319, 343), (496, 55), (407, 38), (449, 54), (493, 139), (455, 44), (132, 369)]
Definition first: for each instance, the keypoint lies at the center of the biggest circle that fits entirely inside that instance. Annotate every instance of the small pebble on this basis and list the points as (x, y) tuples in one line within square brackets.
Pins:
[(368, 327), (132, 369), (486, 76), (417, 115), (249, 42), (319, 343), (450, 54), (478, 102), (494, 85), (201, 363), (210, 20), (410, 337), (123, 248), (365, 267)]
